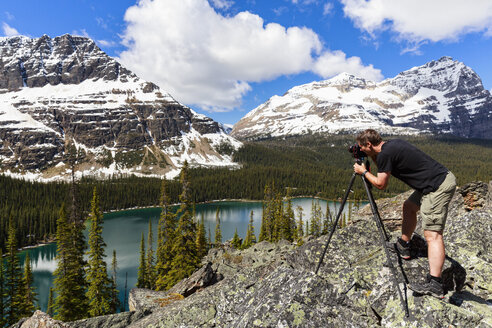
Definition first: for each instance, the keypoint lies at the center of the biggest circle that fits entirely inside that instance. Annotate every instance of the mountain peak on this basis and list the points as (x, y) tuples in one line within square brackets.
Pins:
[(65, 59), (441, 96)]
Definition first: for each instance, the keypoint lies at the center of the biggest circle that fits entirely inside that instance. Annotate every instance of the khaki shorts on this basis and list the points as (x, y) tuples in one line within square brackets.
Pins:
[(434, 205)]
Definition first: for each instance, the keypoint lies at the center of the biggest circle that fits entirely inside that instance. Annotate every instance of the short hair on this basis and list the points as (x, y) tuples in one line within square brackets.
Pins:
[(369, 135)]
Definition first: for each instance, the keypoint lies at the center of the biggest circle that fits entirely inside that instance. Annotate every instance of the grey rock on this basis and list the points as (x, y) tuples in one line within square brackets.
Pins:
[(40, 320), (274, 285)]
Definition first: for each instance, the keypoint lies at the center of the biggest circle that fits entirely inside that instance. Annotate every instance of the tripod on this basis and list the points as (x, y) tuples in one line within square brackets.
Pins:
[(382, 234)]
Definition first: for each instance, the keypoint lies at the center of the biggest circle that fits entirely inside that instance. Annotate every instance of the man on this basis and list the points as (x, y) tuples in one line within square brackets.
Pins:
[(434, 187)]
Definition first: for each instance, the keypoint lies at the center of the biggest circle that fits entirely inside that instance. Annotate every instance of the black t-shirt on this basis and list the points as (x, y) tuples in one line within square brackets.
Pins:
[(411, 165)]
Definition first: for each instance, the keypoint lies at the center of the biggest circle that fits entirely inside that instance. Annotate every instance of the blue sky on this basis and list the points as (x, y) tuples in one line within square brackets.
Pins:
[(225, 57)]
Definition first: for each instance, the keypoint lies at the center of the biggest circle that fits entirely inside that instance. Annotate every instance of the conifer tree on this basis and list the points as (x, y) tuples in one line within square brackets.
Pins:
[(289, 231), (13, 282), (300, 224), (209, 237), (77, 262), (150, 270), (218, 232), (70, 302), (115, 301), (328, 220), (185, 259), (278, 218), (2, 292), (49, 309), (28, 293), (63, 302), (99, 291), (263, 227), (315, 219), (142, 268), (201, 239), (236, 242), (165, 239), (250, 238)]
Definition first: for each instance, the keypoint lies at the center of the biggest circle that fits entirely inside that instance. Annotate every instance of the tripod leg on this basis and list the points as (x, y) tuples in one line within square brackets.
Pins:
[(384, 238), (345, 197)]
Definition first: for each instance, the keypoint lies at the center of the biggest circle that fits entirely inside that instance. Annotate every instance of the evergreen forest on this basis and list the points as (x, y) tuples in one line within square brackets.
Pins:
[(312, 165)]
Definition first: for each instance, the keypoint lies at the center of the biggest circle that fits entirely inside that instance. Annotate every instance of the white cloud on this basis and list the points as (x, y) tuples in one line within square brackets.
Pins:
[(9, 16), (8, 30), (222, 4), (203, 58), (327, 8), (106, 43), (332, 63), (418, 20), (82, 32)]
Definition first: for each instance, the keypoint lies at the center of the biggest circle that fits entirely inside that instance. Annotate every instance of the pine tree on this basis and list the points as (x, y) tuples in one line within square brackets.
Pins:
[(263, 227), (218, 232), (77, 262), (70, 302), (13, 282), (328, 219), (142, 268), (150, 270), (49, 309), (209, 237), (185, 259), (3, 322), (250, 238), (300, 224), (99, 291), (166, 233), (115, 301), (289, 231), (28, 293), (315, 228), (236, 242), (201, 239)]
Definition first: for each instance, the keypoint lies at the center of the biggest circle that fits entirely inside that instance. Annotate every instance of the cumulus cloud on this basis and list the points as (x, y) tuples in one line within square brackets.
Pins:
[(332, 63), (206, 59), (8, 30), (222, 4), (419, 20), (327, 8)]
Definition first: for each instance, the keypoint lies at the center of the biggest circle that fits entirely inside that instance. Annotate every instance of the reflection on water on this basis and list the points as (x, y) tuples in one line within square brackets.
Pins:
[(122, 232)]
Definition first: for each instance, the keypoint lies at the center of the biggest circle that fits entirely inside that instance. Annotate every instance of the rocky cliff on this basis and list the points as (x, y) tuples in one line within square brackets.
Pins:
[(442, 96), (62, 91), (274, 285)]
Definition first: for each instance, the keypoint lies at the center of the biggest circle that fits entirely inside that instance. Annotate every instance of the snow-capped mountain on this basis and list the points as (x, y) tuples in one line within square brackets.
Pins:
[(63, 91), (443, 96)]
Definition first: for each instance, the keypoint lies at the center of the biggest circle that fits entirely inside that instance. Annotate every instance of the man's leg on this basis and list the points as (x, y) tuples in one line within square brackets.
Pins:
[(435, 251), (409, 221)]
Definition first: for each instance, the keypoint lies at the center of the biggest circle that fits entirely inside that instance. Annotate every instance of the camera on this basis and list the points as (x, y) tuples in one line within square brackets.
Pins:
[(357, 153)]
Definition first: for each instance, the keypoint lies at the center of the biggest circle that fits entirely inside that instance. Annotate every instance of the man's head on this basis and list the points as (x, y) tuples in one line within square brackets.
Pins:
[(369, 139)]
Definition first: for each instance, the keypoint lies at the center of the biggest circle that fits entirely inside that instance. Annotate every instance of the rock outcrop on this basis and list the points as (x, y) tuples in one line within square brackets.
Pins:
[(274, 285)]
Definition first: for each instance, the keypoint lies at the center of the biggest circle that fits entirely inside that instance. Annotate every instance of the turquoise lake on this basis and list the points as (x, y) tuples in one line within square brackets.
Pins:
[(123, 230)]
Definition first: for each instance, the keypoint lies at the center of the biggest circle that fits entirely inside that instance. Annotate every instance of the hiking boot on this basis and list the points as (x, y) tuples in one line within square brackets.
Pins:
[(431, 286), (402, 247)]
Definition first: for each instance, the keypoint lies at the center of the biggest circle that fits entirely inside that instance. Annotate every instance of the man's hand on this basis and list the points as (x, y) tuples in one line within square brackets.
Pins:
[(379, 181), (359, 169)]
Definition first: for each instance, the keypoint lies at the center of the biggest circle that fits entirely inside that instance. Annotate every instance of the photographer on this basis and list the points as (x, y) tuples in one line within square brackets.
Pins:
[(434, 187)]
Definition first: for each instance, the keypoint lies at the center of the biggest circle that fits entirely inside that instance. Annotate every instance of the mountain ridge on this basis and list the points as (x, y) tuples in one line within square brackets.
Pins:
[(64, 91), (442, 96)]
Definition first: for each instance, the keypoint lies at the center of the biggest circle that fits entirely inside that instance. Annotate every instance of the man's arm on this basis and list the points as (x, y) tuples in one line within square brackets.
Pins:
[(379, 181)]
